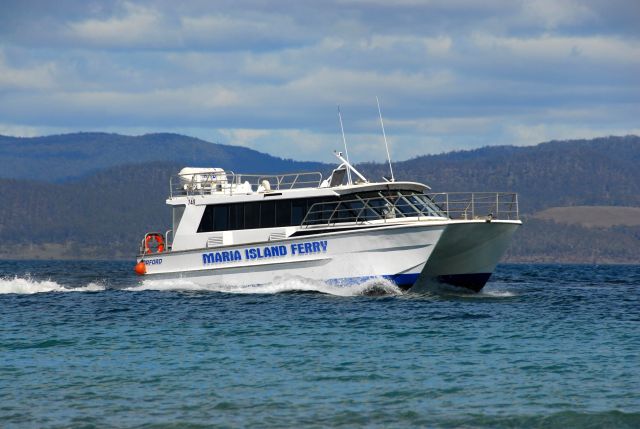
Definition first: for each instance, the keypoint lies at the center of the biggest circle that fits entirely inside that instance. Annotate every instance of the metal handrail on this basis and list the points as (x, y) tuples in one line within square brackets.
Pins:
[(169, 243), (216, 181), (451, 205), (478, 205)]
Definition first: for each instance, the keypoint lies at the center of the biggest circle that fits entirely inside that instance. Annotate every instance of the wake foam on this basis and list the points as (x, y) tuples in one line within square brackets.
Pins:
[(453, 291), (27, 285), (371, 287), (497, 294)]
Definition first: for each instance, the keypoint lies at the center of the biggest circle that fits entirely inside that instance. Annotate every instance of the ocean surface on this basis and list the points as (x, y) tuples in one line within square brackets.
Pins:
[(87, 344)]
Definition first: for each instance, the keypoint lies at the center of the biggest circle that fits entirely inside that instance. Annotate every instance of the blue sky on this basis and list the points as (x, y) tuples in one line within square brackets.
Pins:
[(268, 75)]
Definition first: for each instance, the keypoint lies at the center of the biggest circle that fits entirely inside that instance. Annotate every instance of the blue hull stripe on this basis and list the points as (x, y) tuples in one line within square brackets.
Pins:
[(403, 281), (473, 281)]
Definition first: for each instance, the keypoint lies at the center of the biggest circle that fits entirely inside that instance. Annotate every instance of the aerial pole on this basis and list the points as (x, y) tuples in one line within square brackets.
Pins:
[(384, 135), (346, 151)]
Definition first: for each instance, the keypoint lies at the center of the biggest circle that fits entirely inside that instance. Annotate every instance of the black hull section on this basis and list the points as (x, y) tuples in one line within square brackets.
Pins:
[(474, 282)]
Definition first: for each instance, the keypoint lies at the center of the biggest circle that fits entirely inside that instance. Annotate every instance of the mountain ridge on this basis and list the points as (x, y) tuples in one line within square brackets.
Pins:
[(65, 157), (104, 213)]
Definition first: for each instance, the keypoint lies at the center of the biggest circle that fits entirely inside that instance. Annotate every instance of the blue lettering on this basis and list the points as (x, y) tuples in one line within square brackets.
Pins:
[(283, 250), (225, 256), (218, 257), (267, 252), (252, 253), (208, 258), (236, 255), (304, 248)]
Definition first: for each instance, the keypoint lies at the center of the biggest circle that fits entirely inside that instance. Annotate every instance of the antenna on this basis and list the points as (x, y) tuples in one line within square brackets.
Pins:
[(385, 139), (346, 151)]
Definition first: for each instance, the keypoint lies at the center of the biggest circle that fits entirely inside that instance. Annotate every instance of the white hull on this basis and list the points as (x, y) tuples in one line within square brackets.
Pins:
[(396, 252), (467, 254)]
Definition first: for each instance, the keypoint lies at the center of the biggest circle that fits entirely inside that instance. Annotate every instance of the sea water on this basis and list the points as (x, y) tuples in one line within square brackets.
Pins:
[(87, 344)]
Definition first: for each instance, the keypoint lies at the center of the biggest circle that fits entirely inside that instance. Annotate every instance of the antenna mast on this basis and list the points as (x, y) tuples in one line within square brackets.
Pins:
[(346, 151), (384, 135)]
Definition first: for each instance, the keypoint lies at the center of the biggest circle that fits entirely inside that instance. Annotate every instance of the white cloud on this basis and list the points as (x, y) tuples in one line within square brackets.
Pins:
[(38, 77), (244, 137), (228, 32), (551, 14), (333, 85), (439, 45), (268, 75), (549, 46), (445, 126), (150, 27), (17, 130), (525, 135), (138, 26)]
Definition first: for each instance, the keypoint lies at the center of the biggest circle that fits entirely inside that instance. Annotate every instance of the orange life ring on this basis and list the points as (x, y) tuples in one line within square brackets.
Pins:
[(158, 239)]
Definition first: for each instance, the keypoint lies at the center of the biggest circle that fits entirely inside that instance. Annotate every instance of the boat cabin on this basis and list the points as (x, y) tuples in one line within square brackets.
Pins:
[(212, 207)]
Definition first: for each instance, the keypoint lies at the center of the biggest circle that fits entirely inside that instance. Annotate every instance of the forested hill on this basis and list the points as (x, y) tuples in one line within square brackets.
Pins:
[(602, 171), (103, 214), (62, 157)]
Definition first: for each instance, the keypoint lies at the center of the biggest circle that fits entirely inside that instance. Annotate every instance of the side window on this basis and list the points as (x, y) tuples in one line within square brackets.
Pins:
[(351, 211), (267, 214), (322, 211), (298, 210), (283, 213), (206, 223), (236, 216), (221, 218), (315, 216), (328, 209), (251, 215)]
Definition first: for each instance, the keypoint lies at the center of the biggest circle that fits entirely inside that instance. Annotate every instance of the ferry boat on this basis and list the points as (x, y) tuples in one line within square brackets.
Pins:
[(247, 229)]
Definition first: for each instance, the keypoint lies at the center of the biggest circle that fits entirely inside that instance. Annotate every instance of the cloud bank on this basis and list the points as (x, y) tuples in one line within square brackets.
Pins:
[(268, 75)]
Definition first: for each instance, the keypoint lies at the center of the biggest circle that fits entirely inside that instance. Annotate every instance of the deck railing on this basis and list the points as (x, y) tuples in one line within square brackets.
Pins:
[(230, 183), (457, 205), (476, 205)]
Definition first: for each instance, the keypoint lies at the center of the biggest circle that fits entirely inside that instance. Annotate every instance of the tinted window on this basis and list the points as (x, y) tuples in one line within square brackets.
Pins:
[(328, 210), (251, 215), (319, 214), (298, 210), (267, 214), (236, 216), (206, 223), (221, 218), (350, 212), (283, 213)]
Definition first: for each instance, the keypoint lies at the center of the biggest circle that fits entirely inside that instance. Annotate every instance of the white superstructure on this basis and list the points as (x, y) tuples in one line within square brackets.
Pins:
[(238, 229)]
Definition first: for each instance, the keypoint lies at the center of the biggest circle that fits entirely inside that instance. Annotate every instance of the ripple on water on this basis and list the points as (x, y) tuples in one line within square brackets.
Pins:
[(541, 346)]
